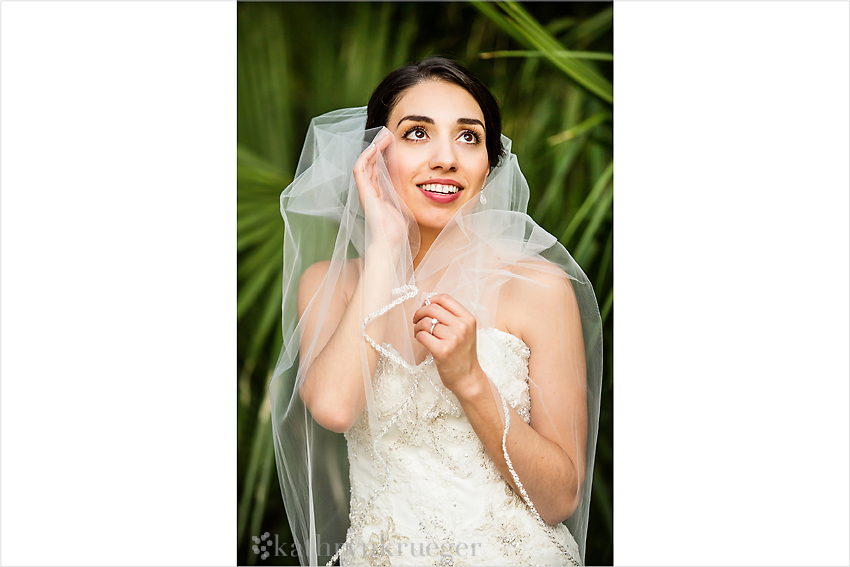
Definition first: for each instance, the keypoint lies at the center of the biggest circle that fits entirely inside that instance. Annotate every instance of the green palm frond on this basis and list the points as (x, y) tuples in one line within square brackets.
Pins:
[(298, 60), (563, 53), (512, 17)]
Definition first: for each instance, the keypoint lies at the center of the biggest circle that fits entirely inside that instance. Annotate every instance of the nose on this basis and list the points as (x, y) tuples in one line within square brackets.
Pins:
[(443, 156)]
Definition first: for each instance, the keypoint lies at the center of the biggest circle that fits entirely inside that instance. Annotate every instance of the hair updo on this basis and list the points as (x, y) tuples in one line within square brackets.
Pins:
[(390, 90)]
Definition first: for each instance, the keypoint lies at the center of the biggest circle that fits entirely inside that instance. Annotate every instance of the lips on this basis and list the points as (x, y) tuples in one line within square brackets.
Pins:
[(441, 190)]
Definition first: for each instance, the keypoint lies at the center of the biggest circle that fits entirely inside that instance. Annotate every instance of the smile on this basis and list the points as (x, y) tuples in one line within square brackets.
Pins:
[(442, 193), (439, 188)]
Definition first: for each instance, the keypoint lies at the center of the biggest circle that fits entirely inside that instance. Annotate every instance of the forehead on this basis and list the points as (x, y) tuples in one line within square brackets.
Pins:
[(444, 102)]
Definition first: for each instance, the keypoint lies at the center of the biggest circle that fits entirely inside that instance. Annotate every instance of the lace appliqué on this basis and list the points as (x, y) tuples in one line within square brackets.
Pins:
[(549, 529), (427, 477)]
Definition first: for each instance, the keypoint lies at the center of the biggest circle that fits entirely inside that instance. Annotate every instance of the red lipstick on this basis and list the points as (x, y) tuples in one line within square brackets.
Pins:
[(441, 197)]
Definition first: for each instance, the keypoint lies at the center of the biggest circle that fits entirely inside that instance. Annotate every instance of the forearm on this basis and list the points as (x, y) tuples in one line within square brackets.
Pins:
[(548, 475), (333, 388)]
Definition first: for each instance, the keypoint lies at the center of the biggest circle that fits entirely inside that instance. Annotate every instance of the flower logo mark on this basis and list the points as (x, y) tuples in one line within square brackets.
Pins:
[(260, 544)]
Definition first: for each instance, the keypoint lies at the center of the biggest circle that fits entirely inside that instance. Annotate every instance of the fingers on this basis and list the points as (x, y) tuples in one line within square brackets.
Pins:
[(451, 305), (365, 167), (427, 340), (380, 143), (383, 139), (441, 330), (365, 156), (425, 325), (432, 311), (363, 172), (448, 334)]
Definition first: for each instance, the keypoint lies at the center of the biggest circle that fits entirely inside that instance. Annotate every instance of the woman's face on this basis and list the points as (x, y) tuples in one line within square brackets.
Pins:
[(440, 153)]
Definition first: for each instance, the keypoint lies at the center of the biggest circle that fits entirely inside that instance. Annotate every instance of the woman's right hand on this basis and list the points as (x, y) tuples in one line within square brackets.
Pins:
[(387, 226)]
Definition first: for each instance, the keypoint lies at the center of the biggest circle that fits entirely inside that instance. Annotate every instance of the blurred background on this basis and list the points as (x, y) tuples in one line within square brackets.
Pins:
[(550, 66)]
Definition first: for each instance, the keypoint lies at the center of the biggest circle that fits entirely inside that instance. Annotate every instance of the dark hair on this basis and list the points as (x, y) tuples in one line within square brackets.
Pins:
[(389, 92)]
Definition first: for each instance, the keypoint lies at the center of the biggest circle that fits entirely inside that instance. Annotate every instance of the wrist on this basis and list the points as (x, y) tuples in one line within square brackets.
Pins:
[(382, 251), (473, 388)]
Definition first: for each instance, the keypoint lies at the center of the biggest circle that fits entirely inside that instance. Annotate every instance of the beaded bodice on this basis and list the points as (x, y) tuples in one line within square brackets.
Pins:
[(427, 492)]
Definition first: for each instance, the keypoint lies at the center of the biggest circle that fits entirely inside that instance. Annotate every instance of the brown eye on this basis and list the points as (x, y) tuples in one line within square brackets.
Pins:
[(416, 133), (469, 137)]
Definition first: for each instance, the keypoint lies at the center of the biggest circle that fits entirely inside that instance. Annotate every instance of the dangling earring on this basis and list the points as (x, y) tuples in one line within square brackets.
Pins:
[(482, 199)]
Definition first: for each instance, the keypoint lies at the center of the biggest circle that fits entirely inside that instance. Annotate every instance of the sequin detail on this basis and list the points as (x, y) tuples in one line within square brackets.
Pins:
[(427, 479), (549, 530)]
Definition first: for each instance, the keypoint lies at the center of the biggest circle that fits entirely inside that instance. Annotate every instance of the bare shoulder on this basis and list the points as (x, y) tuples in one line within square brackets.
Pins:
[(536, 280), (316, 273), (315, 276), (539, 292), (539, 272)]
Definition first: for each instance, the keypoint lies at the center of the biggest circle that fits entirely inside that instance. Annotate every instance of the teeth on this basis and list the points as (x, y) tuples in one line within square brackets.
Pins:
[(438, 188)]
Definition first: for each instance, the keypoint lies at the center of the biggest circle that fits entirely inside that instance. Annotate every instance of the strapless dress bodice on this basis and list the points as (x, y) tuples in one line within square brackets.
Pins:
[(427, 493)]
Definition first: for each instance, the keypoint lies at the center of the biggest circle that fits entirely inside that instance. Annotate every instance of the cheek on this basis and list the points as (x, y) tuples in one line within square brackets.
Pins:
[(481, 169), (396, 167), (407, 166), (477, 160)]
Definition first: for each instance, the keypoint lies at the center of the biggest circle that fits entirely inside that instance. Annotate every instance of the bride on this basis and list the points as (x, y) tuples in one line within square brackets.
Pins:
[(453, 343)]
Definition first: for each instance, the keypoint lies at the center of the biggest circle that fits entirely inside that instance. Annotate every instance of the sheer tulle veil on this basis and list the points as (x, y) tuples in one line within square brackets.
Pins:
[(488, 248)]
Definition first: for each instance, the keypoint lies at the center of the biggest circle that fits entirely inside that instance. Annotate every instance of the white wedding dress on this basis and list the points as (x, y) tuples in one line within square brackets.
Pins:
[(431, 495)]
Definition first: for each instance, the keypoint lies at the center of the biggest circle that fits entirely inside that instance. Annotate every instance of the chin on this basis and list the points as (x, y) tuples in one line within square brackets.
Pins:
[(431, 224), (437, 216), (434, 220)]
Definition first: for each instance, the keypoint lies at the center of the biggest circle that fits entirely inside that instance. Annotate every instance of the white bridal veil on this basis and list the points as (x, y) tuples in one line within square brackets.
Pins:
[(486, 254)]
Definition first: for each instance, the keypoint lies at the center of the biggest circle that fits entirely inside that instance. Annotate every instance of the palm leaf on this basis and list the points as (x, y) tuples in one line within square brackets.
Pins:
[(529, 32), (298, 60), (562, 53)]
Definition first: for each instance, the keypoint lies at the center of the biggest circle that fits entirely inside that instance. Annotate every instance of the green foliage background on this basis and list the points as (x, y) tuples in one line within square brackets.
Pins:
[(550, 65)]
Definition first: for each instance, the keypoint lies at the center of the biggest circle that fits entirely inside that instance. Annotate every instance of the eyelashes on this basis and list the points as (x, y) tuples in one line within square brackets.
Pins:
[(474, 134), (406, 135), (409, 135)]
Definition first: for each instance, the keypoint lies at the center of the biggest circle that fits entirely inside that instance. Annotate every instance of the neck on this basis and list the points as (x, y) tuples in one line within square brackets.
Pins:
[(427, 236)]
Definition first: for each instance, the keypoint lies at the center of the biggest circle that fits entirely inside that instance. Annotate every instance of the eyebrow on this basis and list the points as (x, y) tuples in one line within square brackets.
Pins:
[(416, 118), (470, 121), (428, 120)]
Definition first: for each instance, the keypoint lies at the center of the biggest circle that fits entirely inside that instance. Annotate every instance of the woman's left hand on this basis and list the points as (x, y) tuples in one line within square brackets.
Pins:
[(453, 342)]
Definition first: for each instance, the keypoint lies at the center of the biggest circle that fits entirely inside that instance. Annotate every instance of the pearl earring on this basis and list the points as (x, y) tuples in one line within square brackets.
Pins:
[(482, 198)]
